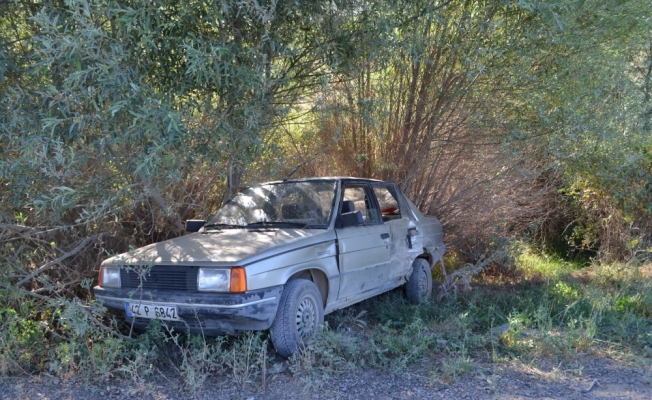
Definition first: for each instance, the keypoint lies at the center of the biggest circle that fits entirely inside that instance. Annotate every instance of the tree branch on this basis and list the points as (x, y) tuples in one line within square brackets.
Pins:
[(56, 261), (32, 231)]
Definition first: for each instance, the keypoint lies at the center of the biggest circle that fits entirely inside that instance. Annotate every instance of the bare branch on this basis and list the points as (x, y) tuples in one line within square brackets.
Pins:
[(32, 231), (56, 261)]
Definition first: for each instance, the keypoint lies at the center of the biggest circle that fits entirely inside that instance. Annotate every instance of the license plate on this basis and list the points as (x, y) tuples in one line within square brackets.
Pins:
[(152, 311)]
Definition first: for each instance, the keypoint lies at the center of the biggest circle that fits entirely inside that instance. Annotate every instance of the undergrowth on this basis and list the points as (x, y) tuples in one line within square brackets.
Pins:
[(548, 308)]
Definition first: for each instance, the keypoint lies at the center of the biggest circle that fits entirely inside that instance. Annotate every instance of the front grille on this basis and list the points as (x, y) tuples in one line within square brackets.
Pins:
[(159, 277)]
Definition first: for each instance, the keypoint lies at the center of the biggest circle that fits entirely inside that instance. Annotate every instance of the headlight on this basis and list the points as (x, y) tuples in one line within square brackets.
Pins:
[(213, 280), (110, 277)]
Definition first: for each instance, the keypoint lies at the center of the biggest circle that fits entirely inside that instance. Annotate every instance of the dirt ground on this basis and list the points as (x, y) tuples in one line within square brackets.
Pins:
[(591, 378)]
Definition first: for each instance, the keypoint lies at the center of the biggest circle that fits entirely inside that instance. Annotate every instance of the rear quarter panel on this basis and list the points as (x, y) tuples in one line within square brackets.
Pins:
[(431, 229)]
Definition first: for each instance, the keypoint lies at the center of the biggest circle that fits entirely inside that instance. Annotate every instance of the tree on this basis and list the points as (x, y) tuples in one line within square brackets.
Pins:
[(120, 119)]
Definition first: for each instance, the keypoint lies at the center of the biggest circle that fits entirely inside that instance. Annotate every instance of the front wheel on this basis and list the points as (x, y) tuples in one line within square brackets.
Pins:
[(419, 287), (299, 314)]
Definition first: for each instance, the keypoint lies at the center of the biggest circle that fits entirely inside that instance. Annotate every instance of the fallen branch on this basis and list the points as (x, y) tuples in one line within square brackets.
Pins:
[(462, 275), (56, 261), (593, 384)]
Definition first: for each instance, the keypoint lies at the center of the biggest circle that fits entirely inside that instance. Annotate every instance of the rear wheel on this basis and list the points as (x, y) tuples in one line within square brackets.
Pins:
[(298, 317), (419, 286)]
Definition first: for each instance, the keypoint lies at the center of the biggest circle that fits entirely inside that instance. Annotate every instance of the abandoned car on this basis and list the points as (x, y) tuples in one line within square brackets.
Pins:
[(279, 256)]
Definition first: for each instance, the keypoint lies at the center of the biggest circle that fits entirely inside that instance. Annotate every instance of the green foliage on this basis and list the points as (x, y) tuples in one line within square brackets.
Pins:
[(398, 347), (462, 102), (60, 337), (121, 118), (22, 341), (128, 98), (551, 312), (587, 83)]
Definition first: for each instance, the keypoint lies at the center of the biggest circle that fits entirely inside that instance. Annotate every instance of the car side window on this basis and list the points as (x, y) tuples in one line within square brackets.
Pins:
[(356, 196), (389, 205)]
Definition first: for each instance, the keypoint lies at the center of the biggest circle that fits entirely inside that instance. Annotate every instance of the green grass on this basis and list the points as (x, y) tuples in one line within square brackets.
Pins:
[(548, 266), (547, 307)]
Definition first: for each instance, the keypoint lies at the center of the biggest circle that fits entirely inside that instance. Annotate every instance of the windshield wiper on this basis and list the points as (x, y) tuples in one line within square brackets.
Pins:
[(276, 224), (223, 226)]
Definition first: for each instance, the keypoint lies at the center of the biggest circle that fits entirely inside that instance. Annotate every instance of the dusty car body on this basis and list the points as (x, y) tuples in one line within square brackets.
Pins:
[(279, 256)]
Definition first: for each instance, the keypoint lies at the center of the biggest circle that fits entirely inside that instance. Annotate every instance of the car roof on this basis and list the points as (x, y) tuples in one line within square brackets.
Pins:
[(323, 178)]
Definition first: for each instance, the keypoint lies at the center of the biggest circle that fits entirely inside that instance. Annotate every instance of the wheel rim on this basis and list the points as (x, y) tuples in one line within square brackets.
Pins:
[(423, 283), (306, 317)]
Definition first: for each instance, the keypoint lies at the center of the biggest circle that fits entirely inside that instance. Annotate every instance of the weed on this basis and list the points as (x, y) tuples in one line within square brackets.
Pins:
[(395, 348), (198, 359), (330, 354), (248, 359), (350, 319), (453, 367), (492, 380), (138, 369)]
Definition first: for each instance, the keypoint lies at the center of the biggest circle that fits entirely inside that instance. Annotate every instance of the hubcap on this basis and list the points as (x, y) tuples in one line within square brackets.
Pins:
[(306, 317), (423, 283)]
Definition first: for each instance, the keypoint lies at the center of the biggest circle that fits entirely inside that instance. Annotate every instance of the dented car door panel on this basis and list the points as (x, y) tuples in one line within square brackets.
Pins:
[(364, 259), (402, 253)]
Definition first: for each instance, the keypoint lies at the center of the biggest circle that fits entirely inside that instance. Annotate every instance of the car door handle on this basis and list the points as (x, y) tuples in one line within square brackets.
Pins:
[(384, 235)]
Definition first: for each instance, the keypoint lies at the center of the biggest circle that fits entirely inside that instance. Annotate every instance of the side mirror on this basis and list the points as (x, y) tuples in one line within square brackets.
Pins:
[(353, 218), (193, 225)]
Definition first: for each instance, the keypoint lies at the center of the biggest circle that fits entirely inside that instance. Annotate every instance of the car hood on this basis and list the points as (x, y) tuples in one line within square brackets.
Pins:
[(226, 247)]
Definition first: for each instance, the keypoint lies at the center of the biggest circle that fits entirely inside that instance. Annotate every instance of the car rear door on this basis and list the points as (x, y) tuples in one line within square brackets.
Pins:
[(405, 244), (363, 250)]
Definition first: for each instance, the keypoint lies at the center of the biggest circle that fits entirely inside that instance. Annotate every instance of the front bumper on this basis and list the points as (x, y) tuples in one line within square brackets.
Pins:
[(208, 313)]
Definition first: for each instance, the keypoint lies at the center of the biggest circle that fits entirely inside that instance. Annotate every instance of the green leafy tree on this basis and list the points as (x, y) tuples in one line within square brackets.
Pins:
[(120, 119), (586, 115)]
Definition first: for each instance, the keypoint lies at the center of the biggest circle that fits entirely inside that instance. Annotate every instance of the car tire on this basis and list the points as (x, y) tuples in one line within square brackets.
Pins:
[(419, 286), (300, 312)]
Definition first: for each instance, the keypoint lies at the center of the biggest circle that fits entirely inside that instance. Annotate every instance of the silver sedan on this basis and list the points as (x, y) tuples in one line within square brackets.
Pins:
[(279, 256)]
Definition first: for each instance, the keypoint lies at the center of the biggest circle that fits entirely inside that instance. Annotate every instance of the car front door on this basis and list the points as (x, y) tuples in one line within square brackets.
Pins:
[(363, 250)]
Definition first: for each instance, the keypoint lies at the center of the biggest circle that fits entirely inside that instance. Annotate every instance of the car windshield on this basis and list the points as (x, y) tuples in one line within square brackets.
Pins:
[(302, 204)]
